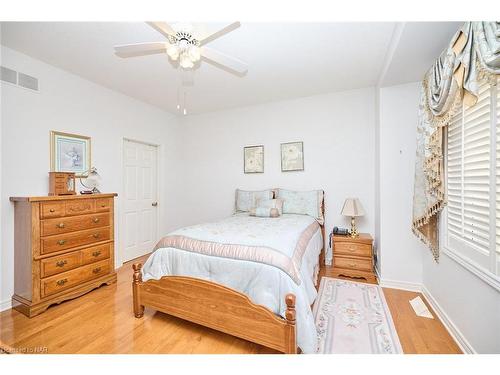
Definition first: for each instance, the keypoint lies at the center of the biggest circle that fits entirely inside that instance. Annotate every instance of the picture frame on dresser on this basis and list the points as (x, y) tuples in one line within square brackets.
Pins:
[(63, 248)]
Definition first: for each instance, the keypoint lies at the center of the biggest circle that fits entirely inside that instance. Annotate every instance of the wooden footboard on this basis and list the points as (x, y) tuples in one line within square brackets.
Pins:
[(218, 307)]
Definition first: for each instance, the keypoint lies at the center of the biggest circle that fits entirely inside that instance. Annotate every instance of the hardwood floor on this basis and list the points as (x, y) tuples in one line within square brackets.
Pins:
[(102, 321)]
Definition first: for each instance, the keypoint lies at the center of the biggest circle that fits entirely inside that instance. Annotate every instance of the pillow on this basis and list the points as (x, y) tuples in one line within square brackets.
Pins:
[(271, 203), (303, 203), (245, 200), (264, 212)]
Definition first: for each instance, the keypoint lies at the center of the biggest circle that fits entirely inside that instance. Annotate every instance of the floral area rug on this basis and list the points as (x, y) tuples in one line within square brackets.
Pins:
[(354, 318)]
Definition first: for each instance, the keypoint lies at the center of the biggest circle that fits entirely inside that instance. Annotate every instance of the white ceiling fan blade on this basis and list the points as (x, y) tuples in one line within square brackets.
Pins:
[(141, 49), (163, 28), (224, 61), (220, 33)]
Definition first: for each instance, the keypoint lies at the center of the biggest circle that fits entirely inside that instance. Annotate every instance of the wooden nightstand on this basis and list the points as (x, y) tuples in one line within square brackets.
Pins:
[(353, 257)]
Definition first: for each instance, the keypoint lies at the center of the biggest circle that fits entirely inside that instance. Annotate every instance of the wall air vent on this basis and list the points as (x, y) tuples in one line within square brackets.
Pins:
[(8, 75), (19, 79), (27, 81)]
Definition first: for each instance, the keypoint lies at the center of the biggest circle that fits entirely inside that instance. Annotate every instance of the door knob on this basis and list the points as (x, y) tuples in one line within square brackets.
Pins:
[(154, 204)]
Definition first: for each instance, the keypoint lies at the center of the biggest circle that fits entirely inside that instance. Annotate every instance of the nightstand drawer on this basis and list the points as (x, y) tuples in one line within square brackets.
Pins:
[(353, 264), (352, 248)]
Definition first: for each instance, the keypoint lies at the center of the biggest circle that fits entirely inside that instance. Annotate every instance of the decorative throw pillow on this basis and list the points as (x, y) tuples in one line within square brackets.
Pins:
[(264, 212), (271, 203), (303, 203), (245, 200)]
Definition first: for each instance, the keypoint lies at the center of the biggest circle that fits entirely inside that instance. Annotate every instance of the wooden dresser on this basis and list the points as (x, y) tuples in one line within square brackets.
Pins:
[(63, 248), (353, 257)]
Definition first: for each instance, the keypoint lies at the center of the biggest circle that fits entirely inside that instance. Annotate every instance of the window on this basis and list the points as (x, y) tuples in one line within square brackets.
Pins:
[(473, 182)]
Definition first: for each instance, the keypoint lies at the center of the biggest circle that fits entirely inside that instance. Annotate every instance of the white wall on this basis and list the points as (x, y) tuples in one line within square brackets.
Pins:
[(471, 305), (71, 104), (338, 133), (400, 251)]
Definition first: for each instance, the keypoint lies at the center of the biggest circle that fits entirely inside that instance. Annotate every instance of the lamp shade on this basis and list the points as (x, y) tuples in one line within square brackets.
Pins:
[(352, 207)]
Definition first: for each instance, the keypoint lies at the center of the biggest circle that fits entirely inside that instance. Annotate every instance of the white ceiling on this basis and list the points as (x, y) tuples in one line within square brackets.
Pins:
[(285, 60)]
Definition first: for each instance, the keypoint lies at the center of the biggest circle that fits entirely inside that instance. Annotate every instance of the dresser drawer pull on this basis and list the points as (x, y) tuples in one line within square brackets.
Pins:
[(52, 210), (352, 248), (96, 270), (96, 235), (353, 265), (96, 253), (60, 225), (103, 205), (62, 282), (61, 242), (61, 263), (96, 219)]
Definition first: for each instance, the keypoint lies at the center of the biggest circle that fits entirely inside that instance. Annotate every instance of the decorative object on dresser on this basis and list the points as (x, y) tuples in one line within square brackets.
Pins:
[(69, 153), (292, 156), (63, 248), (353, 257), (353, 208), (92, 181), (253, 159), (62, 183)]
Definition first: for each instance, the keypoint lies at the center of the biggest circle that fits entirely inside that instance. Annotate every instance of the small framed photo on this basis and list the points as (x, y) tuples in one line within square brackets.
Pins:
[(69, 153), (292, 156), (253, 157)]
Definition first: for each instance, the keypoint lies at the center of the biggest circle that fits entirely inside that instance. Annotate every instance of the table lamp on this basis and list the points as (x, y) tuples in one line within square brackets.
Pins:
[(353, 208)]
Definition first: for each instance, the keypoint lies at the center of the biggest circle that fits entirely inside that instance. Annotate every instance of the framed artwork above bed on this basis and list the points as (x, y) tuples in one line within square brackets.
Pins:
[(253, 159), (292, 156)]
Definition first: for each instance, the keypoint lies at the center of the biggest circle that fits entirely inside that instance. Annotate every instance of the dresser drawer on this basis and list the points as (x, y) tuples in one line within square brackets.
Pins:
[(51, 209), (66, 280), (70, 224), (351, 248), (66, 241), (58, 264), (353, 264), (102, 204), (79, 207), (95, 253)]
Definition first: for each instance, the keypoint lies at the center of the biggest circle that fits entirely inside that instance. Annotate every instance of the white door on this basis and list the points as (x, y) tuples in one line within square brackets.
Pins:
[(140, 214)]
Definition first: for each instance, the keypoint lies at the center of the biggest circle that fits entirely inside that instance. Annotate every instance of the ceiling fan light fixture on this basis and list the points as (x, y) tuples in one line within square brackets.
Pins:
[(194, 53), (186, 62), (173, 52)]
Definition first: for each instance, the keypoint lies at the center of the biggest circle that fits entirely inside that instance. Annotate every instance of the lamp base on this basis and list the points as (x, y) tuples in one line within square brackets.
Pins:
[(354, 230)]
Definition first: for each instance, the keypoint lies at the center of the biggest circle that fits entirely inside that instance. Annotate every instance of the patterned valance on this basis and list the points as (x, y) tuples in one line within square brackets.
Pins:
[(472, 55)]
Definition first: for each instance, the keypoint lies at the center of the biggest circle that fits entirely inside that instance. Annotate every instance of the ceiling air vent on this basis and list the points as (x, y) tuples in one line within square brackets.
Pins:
[(19, 79), (8, 75)]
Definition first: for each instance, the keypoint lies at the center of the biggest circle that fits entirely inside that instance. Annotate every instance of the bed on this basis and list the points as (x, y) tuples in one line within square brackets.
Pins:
[(251, 277)]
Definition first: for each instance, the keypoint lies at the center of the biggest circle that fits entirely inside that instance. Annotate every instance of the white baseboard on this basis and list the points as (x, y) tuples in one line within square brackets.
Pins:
[(5, 305), (403, 285), (457, 335)]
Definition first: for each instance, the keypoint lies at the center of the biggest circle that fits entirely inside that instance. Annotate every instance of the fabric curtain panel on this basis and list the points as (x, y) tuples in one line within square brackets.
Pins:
[(473, 55)]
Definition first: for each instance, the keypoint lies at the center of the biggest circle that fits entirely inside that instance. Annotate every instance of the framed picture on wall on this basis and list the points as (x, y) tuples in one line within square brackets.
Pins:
[(292, 156), (69, 153), (253, 159)]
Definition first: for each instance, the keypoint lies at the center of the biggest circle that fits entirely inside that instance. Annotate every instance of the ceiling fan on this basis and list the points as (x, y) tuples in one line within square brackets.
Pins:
[(186, 48)]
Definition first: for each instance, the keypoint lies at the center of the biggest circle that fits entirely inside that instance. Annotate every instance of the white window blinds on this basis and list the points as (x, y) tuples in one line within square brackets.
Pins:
[(473, 179), (497, 184)]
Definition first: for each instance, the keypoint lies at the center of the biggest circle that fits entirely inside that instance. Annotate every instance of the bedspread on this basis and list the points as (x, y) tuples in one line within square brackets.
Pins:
[(248, 271)]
